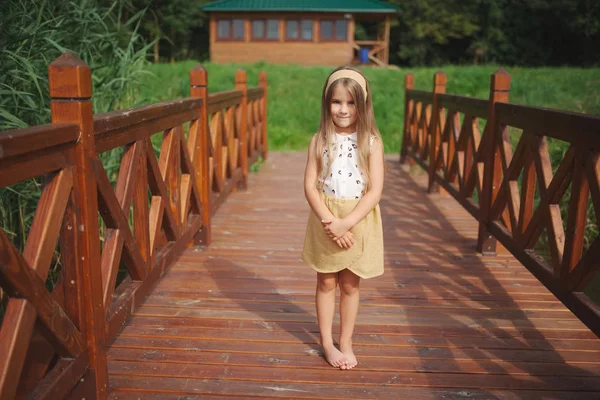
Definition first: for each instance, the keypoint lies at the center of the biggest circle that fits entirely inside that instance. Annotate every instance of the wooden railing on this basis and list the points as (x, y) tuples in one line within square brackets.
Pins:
[(378, 50), (498, 186), (53, 341)]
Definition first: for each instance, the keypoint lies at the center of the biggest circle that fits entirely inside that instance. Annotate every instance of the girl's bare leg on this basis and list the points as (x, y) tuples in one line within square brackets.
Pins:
[(349, 299), (325, 299)]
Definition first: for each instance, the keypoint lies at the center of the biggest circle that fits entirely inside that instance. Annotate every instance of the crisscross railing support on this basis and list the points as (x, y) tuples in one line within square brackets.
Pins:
[(515, 195)]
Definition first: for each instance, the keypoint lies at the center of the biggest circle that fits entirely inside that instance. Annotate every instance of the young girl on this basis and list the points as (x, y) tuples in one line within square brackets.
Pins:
[(343, 181)]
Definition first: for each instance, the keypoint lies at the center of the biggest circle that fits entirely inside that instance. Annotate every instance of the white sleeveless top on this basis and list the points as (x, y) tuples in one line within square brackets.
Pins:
[(345, 180)]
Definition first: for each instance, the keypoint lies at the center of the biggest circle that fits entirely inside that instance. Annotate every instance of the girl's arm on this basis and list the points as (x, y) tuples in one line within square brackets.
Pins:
[(373, 195), (310, 184), (369, 200)]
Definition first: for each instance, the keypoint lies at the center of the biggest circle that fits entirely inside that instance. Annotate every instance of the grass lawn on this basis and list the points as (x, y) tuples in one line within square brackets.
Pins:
[(295, 92)]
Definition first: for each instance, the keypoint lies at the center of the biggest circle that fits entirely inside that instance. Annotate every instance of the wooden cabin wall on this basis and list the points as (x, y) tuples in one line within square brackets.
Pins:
[(282, 51)]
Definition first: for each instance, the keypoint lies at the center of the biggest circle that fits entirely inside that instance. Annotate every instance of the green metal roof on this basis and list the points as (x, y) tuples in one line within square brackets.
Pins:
[(350, 6)]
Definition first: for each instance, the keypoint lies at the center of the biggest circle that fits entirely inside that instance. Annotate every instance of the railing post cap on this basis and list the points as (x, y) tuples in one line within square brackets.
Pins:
[(409, 79), (500, 80), (198, 76), (70, 77), (262, 76), (241, 76), (439, 78)]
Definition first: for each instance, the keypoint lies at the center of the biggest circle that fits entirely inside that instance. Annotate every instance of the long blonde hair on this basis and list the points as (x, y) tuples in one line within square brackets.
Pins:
[(365, 125)]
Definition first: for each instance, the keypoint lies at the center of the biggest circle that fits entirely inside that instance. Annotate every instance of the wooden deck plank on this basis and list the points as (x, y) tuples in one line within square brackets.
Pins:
[(331, 376), (392, 295), (376, 315), (239, 346), (176, 387), (359, 339), (408, 364), (472, 331), (308, 301), (237, 319)]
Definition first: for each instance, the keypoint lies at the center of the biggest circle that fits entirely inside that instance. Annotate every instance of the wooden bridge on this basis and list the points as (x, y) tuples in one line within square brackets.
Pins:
[(190, 285)]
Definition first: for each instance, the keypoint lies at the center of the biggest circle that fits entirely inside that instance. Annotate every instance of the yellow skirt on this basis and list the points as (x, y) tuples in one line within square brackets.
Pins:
[(365, 258)]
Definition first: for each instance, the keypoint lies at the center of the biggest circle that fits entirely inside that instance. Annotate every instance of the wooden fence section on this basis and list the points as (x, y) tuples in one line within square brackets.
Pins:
[(516, 192), (115, 239)]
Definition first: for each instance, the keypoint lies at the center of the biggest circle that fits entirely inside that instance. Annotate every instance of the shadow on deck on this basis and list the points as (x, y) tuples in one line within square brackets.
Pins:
[(238, 318)]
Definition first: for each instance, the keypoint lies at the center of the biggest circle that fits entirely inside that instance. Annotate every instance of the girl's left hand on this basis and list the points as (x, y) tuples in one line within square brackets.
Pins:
[(336, 228)]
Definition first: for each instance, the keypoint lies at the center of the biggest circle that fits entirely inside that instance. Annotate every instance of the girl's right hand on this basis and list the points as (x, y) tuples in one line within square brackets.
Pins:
[(346, 241)]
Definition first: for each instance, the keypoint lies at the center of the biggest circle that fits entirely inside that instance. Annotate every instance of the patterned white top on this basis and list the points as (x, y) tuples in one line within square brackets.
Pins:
[(345, 180)]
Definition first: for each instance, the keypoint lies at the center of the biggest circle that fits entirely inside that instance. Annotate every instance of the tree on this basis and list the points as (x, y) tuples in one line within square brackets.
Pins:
[(552, 32), (429, 31), (174, 23), (513, 32)]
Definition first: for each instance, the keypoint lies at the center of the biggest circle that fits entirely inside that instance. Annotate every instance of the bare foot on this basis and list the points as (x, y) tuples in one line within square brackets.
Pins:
[(334, 357), (350, 357)]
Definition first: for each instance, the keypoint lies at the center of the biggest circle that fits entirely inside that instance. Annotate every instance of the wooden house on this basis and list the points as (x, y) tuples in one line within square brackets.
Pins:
[(306, 32)]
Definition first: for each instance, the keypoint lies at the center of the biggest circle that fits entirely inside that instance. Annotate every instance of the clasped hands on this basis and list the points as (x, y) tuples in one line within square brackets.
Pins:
[(338, 229)]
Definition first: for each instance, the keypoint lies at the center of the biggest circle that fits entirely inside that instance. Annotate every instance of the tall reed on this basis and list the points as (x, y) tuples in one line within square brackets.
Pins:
[(32, 34)]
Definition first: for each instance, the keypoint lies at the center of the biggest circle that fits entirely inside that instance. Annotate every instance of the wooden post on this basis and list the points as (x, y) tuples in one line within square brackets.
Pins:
[(350, 39), (71, 91), (386, 38), (409, 83), (199, 88), (247, 29), (241, 83), (439, 86), (212, 37), (262, 82), (281, 28), (499, 91)]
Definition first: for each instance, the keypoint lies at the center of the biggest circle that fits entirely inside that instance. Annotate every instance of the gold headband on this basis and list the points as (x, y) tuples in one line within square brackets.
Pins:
[(348, 73)]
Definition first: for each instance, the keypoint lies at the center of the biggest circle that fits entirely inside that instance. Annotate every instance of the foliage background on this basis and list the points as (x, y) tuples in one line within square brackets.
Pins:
[(426, 32), (510, 32)]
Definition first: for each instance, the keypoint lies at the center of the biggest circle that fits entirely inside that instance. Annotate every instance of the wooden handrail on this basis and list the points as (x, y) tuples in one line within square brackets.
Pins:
[(421, 96), (468, 105), (497, 184), (579, 129), (31, 152), (187, 179), (217, 101), (255, 93), (122, 119), (21, 141), (118, 128)]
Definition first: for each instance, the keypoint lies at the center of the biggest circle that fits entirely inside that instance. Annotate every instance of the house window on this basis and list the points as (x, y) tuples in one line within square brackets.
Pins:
[(341, 29), (273, 29), (291, 30), (223, 28), (230, 29), (326, 30), (299, 30), (334, 30), (265, 29)]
